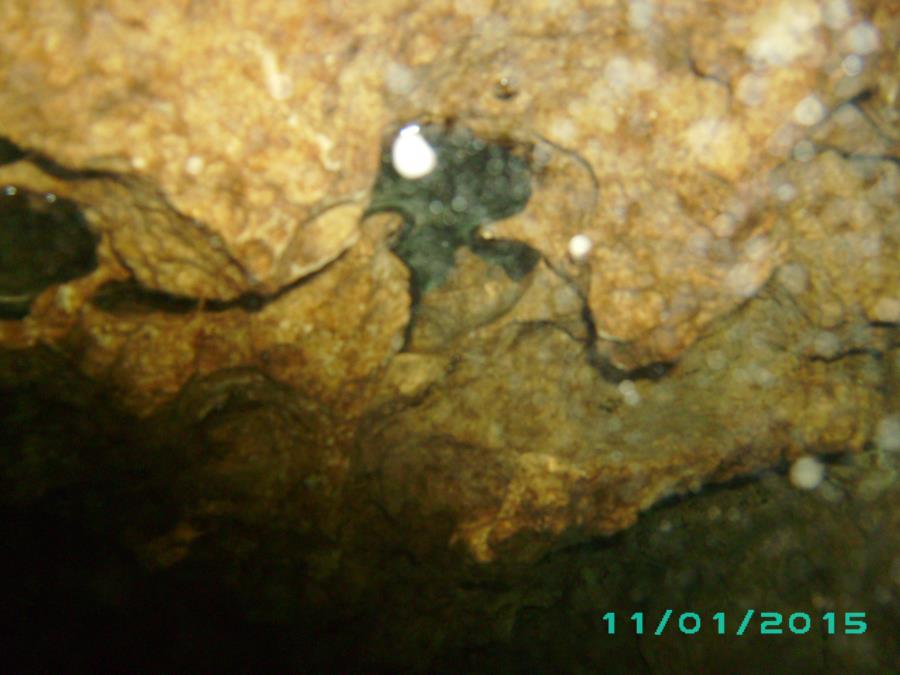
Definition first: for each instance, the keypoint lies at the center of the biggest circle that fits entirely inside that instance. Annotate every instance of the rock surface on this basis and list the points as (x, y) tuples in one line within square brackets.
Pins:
[(734, 166)]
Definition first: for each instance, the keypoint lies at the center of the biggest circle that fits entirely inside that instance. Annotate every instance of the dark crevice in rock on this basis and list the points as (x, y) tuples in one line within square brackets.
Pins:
[(44, 240), (610, 373), (516, 259), (129, 297), (583, 164), (52, 168), (9, 151), (855, 351), (252, 301), (859, 102)]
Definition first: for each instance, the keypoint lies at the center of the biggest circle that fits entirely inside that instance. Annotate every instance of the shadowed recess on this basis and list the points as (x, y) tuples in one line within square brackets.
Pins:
[(127, 297), (44, 240), (9, 152)]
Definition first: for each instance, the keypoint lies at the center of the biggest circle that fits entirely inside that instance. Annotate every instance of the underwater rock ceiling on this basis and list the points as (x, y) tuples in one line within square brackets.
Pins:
[(659, 249)]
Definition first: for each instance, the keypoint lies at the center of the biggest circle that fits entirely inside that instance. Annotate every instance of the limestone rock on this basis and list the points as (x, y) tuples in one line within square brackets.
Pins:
[(733, 164)]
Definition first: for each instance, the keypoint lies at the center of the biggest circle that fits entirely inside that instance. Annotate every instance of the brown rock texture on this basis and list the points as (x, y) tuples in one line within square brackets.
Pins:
[(733, 164)]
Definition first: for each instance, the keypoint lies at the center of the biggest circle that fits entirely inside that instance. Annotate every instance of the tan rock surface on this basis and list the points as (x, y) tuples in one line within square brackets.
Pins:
[(239, 117), (734, 165)]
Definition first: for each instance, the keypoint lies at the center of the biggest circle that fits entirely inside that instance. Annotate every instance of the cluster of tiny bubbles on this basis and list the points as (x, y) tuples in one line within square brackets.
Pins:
[(49, 197)]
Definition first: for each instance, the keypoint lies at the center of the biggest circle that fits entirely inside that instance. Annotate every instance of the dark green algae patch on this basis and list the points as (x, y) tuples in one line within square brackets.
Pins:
[(475, 182), (44, 240)]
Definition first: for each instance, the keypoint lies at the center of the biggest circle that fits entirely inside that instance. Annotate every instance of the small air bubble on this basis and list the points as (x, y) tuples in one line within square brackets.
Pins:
[(836, 13), (412, 155), (827, 345), (580, 247), (862, 39), (640, 14), (629, 393), (804, 151), (809, 111), (785, 192), (399, 78), (852, 65), (495, 166), (194, 165), (807, 473), (10, 190)]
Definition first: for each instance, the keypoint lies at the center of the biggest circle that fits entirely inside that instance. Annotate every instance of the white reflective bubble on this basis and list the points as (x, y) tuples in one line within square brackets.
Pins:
[(194, 165), (412, 155), (785, 192), (809, 111), (640, 14), (580, 246), (629, 393), (862, 38), (836, 13), (807, 473), (852, 65)]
